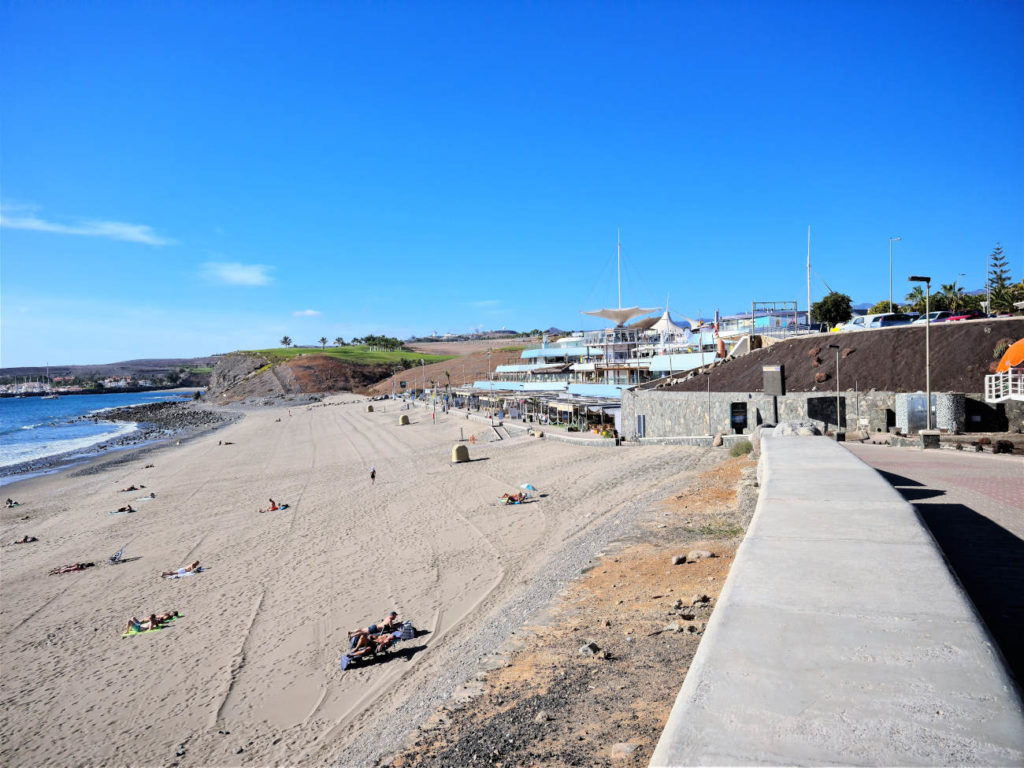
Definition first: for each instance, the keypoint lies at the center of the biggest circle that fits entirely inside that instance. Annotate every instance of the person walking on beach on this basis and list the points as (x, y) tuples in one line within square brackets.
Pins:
[(373, 475)]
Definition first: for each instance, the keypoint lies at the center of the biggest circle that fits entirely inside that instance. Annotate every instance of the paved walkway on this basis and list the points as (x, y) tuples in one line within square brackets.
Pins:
[(841, 637), (974, 506)]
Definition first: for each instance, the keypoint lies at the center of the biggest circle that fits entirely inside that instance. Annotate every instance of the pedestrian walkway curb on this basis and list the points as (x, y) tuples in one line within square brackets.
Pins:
[(841, 636)]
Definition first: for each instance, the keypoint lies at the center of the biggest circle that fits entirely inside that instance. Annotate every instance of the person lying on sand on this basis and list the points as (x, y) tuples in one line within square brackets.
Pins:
[(514, 498), (25, 540), (127, 508), (153, 622), (11, 503), (71, 568), (274, 506), (182, 571), (132, 488), (373, 644), (388, 624)]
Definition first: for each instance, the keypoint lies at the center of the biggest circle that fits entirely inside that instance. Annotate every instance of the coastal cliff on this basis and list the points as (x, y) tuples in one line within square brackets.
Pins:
[(243, 375)]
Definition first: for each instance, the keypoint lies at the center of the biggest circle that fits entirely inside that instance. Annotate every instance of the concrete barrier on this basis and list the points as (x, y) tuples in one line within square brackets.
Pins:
[(841, 636)]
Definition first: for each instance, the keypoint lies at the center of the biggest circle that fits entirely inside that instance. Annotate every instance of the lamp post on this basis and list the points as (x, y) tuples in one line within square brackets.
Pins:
[(838, 417), (927, 351), (708, 374), (891, 241)]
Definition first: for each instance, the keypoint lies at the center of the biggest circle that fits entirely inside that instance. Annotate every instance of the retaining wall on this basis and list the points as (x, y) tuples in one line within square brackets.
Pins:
[(672, 414)]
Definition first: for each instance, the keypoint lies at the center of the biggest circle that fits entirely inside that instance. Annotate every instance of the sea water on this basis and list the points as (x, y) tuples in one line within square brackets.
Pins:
[(32, 428)]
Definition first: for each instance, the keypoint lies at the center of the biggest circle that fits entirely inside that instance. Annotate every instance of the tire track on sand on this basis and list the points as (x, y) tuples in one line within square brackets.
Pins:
[(238, 662)]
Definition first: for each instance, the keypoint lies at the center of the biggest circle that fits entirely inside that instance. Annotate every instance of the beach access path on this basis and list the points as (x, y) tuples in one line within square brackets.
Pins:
[(249, 675)]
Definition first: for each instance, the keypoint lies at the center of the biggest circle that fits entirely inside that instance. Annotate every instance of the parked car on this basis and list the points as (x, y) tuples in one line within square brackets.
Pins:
[(890, 319), (967, 314), (934, 317)]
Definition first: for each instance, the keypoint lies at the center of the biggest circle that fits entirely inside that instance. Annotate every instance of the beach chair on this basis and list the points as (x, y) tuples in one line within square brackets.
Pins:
[(118, 556)]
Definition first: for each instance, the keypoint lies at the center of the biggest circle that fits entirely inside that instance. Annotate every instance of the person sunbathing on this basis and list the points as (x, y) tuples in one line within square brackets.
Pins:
[(369, 644), (193, 568), (71, 568), (25, 540), (514, 498), (126, 508), (132, 488), (155, 621), (11, 503), (388, 624), (274, 506)]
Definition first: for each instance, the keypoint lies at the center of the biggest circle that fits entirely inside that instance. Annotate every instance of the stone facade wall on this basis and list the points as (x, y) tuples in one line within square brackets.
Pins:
[(677, 414)]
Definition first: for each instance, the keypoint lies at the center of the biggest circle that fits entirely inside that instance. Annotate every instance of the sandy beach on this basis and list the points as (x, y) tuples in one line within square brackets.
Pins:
[(256, 652)]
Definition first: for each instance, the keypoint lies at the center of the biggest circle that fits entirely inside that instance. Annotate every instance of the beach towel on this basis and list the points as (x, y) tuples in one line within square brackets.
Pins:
[(180, 574), (346, 661)]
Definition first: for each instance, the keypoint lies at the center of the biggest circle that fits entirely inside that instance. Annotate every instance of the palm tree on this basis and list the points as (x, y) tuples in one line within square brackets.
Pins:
[(286, 341), (339, 341), (916, 299), (323, 342), (953, 295)]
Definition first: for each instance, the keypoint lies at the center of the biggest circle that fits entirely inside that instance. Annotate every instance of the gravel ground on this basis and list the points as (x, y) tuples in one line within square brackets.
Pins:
[(491, 645)]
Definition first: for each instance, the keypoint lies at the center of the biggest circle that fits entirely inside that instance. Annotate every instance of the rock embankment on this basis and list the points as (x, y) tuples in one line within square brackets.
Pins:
[(165, 417)]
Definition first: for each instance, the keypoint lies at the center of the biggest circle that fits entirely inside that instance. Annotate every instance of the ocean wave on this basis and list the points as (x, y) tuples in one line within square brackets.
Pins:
[(32, 426), (18, 453)]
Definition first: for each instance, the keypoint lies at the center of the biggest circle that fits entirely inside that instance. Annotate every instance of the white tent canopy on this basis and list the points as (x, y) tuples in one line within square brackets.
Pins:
[(667, 325), (622, 315)]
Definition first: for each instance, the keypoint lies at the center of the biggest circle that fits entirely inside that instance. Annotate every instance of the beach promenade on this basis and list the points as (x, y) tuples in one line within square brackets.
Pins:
[(249, 675), (841, 636)]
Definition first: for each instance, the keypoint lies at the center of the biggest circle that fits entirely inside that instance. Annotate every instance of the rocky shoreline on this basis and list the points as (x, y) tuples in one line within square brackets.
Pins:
[(157, 422)]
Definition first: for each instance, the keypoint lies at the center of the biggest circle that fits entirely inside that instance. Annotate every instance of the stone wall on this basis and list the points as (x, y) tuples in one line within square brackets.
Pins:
[(675, 414)]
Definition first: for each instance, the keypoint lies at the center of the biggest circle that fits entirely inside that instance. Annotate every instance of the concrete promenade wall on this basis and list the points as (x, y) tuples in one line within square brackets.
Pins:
[(841, 636)]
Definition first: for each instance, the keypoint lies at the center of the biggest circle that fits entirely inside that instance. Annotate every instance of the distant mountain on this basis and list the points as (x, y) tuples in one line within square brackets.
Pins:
[(139, 369)]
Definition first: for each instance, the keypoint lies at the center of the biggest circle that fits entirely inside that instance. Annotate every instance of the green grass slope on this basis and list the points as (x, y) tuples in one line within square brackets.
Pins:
[(358, 355)]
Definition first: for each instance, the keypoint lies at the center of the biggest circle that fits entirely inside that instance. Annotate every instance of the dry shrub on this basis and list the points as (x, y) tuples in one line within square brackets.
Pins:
[(821, 378)]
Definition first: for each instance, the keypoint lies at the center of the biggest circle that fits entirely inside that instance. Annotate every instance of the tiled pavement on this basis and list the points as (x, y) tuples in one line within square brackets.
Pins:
[(974, 506)]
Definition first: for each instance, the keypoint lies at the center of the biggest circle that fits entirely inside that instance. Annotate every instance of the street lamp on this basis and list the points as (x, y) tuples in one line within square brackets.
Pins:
[(891, 241), (708, 374), (927, 351), (838, 418)]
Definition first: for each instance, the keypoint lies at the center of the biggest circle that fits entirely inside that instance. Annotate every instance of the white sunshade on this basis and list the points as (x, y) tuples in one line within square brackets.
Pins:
[(666, 324), (622, 315)]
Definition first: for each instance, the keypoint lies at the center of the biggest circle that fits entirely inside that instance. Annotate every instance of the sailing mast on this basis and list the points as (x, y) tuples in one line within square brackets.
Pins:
[(618, 262)]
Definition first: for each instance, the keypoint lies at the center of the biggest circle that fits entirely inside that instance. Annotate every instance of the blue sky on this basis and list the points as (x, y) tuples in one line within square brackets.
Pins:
[(182, 179)]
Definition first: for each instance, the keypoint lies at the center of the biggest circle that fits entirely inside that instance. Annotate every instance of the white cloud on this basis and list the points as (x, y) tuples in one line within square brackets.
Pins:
[(307, 313), (23, 217), (234, 273)]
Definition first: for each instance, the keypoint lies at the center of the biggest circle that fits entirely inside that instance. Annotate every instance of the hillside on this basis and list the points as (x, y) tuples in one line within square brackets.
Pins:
[(888, 360), (468, 364)]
